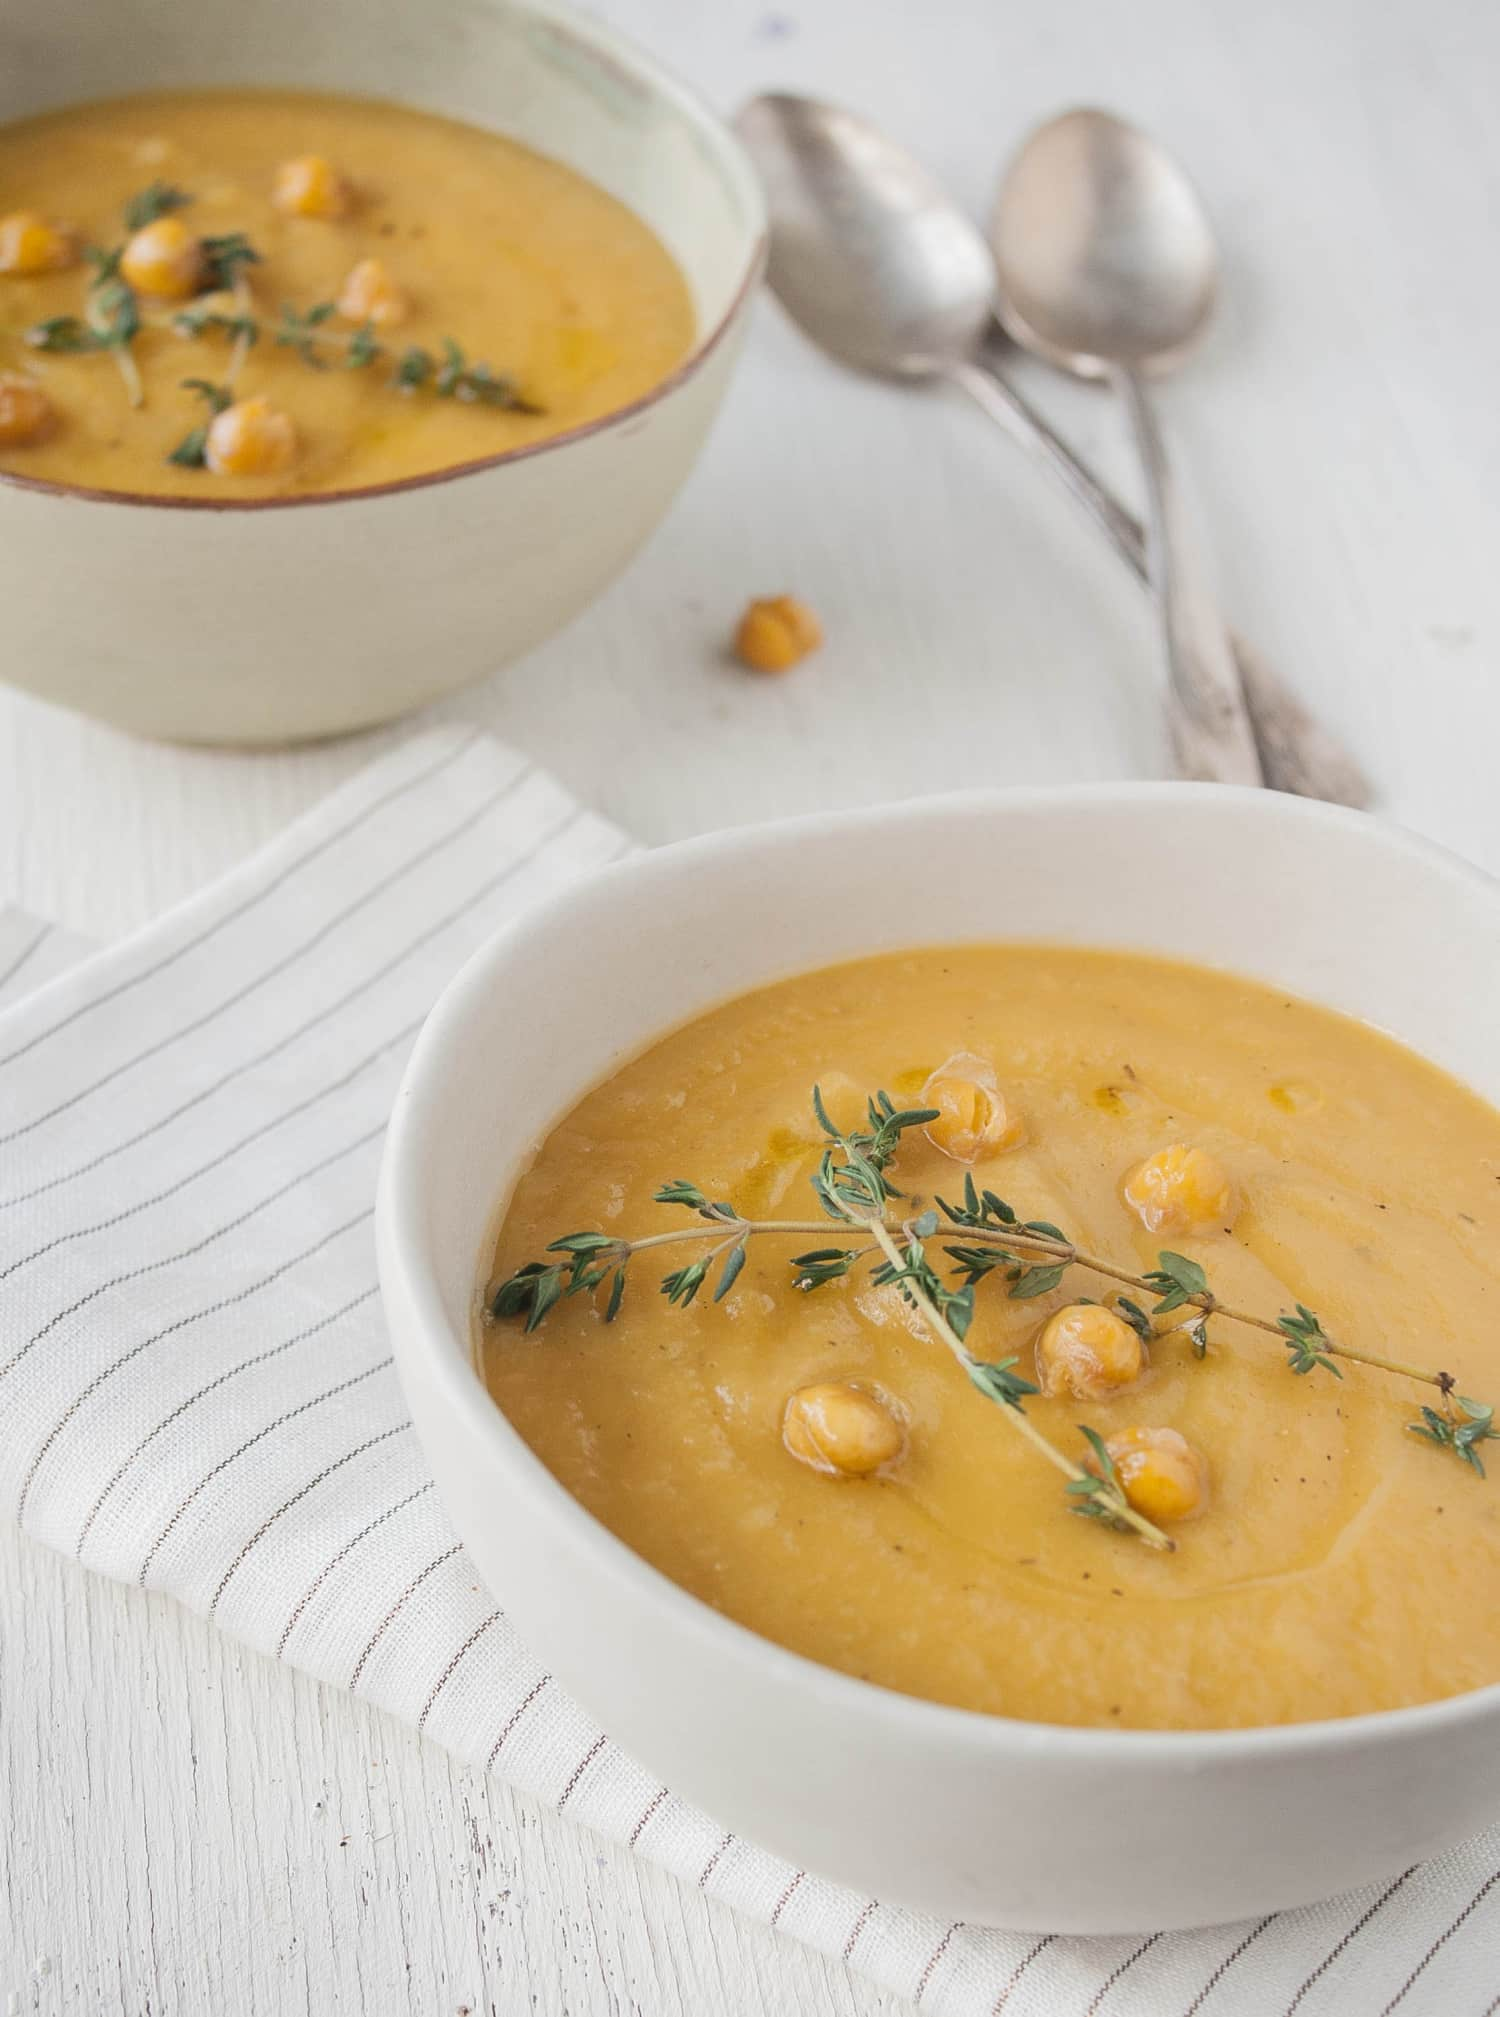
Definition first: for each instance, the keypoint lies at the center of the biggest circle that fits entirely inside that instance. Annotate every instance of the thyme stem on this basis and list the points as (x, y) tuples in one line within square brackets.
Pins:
[(745, 1226), (1063, 1250), (130, 371), (245, 335)]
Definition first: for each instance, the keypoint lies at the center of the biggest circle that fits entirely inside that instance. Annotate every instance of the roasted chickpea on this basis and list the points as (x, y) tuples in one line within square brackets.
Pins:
[(847, 1430), (30, 244), (1181, 1190), (775, 633), (164, 259), (250, 438), (1086, 1351), (1161, 1474), (26, 413), (310, 186), (369, 294), (974, 1117)]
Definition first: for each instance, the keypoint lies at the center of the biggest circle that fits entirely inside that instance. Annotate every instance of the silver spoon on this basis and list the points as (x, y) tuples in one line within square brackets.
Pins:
[(880, 268), (1108, 267)]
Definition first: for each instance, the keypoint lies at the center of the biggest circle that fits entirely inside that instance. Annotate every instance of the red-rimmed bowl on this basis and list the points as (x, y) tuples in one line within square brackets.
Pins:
[(278, 620)]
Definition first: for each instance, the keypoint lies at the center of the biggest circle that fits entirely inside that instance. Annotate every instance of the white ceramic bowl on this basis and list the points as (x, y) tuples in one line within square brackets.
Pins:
[(276, 620), (963, 1815)]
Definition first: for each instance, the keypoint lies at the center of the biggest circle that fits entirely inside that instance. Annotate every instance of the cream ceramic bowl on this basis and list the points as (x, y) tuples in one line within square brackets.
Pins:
[(966, 1816), (274, 621)]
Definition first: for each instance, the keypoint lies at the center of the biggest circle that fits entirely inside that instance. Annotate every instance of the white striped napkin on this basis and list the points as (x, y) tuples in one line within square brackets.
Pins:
[(195, 1390)]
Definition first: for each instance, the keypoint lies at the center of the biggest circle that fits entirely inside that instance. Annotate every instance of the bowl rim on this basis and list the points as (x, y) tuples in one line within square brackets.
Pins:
[(731, 157), (408, 1272)]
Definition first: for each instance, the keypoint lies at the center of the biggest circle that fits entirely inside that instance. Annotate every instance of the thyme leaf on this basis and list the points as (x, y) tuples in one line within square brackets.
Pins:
[(994, 1378), (1137, 1319), (825, 1264), (590, 1260), (731, 1272), (684, 1283), (192, 451), (530, 1292), (157, 199), (299, 330), (977, 1262), (1037, 1281), (1462, 1438), (1307, 1342), (225, 259), (363, 349), (104, 260), (918, 1280), (414, 367), (679, 1193), (1177, 1280), (1098, 1494), (199, 318), (113, 314), (850, 1180), (62, 333)]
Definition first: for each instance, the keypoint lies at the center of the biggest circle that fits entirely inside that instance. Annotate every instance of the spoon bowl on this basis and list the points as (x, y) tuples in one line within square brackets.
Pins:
[(869, 255), (1106, 251)]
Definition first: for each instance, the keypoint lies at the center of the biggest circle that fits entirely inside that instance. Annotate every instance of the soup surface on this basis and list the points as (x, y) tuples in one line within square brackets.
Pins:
[(554, 287), (1337, 1563)]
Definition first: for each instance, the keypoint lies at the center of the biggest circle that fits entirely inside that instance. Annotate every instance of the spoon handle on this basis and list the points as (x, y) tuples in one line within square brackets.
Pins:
[(1298, 754), (989, 388), (1209, 720)]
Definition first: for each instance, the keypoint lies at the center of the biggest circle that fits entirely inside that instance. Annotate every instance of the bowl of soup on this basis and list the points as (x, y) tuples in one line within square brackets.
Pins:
[(1179, 1109), (344, 353)]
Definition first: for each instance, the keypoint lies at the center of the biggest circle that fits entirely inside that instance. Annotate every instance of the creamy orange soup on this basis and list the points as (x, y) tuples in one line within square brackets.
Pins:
[(1332, 1562), (399, 232)]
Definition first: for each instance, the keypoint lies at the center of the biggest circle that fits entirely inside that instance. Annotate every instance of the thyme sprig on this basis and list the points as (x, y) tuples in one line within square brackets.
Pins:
[(156, 200), (192, 451), (1308, 1343), (112, 318), (1177, 1282), (448, 374), (1034, 1256), (853, 1189), (1461, 1437)]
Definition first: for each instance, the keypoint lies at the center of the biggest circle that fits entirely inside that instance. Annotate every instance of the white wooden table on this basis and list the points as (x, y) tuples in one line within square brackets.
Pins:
[(189, 1827)]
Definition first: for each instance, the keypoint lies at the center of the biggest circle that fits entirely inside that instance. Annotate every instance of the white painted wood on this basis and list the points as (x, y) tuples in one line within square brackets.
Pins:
[(176, 1810), (191, 1828)]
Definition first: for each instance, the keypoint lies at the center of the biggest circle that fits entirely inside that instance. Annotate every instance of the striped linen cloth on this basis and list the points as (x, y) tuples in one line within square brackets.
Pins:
[(196, 1392)]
